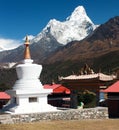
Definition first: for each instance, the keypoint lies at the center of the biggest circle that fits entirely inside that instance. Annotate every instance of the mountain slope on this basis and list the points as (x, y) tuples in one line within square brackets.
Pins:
[(76, 27), (104, 39), (100, 50), (109, 30), (55, 35)]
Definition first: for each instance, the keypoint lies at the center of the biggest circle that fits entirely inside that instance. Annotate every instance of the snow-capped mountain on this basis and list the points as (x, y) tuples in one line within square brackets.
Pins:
[(76, 27), (55, 35)]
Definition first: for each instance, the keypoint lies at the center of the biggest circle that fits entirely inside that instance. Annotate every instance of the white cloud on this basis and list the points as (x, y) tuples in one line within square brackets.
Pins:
[(7, 44)]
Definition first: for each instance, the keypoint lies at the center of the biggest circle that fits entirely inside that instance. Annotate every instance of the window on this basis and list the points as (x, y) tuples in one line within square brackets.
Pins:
[(32, 99)]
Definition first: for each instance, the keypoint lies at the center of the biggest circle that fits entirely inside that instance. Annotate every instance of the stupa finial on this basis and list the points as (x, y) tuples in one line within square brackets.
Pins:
[(26, 40), (27, 50)]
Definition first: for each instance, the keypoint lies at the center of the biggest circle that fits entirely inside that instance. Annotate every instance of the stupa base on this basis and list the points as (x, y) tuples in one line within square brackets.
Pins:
[(30, 101), (31, 108)]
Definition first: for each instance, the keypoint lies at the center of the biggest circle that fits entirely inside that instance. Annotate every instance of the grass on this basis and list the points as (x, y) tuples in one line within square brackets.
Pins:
[(106, 124)]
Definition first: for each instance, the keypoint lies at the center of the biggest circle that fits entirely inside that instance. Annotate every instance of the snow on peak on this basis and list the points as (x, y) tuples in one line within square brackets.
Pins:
[(76, 27), (79, 14)]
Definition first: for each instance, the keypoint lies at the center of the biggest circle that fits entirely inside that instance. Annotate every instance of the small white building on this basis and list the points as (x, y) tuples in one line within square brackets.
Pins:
[(28, 94)]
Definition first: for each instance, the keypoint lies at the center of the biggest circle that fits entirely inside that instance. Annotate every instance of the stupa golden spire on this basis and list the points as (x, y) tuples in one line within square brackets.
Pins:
[(27, 50)]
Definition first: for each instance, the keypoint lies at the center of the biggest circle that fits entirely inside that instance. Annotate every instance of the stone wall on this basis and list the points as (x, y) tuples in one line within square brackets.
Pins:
[(74, 114)]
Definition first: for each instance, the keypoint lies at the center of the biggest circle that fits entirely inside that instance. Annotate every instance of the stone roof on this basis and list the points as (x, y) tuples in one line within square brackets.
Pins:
[(100, 76)]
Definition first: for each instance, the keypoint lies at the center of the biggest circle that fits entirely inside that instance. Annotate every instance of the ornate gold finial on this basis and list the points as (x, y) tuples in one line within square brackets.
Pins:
[(26, 40), (27, 50)]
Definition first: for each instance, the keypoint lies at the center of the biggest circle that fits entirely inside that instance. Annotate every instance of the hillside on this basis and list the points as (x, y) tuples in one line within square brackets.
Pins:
[(53, 36), (105, 39), (107, 63), (100, 51)]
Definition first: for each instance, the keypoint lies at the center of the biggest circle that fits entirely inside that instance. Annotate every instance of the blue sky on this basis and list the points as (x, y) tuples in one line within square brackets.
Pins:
[(21, 17)]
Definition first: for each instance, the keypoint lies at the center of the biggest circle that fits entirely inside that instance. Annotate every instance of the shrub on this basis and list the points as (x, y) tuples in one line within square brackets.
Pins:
[(88, 98)]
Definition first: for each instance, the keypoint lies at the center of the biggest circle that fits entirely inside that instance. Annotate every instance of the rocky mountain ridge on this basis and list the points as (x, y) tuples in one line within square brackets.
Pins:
[(100, 50), (55, 35), (103, 40)]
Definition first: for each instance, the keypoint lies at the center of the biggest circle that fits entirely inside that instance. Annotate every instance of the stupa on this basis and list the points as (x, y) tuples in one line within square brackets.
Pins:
[(28, 94)]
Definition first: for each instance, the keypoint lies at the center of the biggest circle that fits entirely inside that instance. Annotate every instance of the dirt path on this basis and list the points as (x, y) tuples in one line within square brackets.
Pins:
[(107, 124)]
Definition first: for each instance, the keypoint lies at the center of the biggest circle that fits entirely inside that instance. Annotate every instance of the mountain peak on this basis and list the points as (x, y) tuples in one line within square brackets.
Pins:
[(57, 34), (77, 13), (76, 27), (80, 9)]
